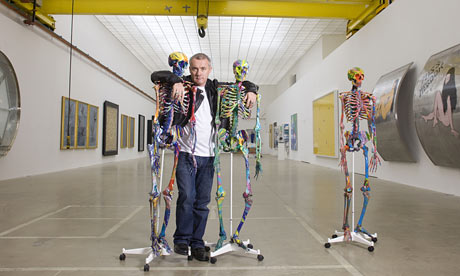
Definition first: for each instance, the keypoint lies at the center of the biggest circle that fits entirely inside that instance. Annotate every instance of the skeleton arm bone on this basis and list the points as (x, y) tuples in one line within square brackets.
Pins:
[(375, 160)]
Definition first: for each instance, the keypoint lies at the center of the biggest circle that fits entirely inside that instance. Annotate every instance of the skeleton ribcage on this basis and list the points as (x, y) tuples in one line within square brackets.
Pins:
[(172, 112), (232, 105), (230, 100), (357, 105)]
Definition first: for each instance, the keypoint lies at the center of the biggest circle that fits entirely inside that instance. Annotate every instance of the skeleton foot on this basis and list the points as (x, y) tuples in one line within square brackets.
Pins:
[(346, 234), (360, 229), (164, 244)]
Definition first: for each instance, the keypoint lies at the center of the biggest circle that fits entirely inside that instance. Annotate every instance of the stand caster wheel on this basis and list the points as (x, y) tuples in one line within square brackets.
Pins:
[(327, 245), (370, 248), (260, 258), (374, 239), (122, 256), (146, 267), (250, 246), (213, 260), (189, 257), (334, 236), (207, 248)]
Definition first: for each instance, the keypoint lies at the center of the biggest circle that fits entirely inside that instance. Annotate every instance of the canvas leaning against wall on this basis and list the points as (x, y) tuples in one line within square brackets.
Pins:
[(325, 114)]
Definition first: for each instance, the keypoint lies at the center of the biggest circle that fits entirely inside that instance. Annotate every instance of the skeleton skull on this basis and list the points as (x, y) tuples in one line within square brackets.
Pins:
[(356, 76), (179, 62), (240, 69)]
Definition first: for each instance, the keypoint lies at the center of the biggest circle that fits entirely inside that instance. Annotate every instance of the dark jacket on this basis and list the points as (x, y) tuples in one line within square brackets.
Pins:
[(211, 88)]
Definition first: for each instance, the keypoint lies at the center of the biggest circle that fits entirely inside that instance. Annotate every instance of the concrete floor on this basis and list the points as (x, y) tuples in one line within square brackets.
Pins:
[(76, 222)]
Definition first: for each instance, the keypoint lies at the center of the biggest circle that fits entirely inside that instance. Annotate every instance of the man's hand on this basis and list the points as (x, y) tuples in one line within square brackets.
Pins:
[(178, 92), (250, 99)]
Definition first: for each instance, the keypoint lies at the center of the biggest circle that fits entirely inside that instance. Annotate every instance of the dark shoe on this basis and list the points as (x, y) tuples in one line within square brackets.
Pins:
[(200, 254), (181, 248)]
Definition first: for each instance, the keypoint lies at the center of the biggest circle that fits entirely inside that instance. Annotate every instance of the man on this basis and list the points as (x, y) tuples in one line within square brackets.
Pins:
[(195, 183)]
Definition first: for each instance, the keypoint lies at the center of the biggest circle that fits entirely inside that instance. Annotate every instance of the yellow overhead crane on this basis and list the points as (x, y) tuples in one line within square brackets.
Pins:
[(358, 12)]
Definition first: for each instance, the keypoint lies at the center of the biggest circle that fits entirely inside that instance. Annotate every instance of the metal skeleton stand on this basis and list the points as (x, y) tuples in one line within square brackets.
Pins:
[(358, 237), (149, 250), (231, 246)]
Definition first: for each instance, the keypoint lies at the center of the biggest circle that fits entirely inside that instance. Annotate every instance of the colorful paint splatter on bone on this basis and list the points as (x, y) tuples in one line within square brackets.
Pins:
[(357, 105), (232, 105), (165, 136)]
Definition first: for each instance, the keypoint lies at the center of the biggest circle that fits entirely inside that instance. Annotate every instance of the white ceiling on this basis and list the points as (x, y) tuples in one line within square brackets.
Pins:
[(270, 45)]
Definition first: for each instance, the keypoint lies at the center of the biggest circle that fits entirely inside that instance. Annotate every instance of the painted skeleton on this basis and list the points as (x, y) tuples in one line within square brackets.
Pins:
[(231, 106), (170, 117), (357, 105)]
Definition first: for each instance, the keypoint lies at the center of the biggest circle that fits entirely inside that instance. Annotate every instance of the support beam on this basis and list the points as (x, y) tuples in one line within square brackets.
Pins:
[(44, 18), (369, 13), (258, 8)]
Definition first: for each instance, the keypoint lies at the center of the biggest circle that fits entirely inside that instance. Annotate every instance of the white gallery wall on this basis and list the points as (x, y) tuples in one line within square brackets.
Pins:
[(41, 63), (407, 31)]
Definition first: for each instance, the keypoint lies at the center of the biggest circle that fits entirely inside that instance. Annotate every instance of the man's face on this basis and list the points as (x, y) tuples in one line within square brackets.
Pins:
[(200, 70)]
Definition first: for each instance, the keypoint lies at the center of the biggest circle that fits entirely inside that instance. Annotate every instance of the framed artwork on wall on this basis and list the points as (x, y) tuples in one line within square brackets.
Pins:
[(93, 126), (325, 131), (150, 131), (124, 131), (131, 134), (286, 137), (81, 131), (271, 135), (294, 132), (82, 125), (141, 134), (110, 129), (68, 123)]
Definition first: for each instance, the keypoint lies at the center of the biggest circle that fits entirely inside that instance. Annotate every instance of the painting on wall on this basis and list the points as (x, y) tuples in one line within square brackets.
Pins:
[(131, 134), (286, 137), (93, 126), (141, 134), (68, 123), (149, 132), (325, 114), (294, 131), (124, 131), (276, 131), (437, 109), (82, 125), (110, 129), (270, 133), (389, 113)]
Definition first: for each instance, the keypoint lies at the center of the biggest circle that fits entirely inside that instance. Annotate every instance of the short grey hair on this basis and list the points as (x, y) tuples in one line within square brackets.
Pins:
[(200, 56)]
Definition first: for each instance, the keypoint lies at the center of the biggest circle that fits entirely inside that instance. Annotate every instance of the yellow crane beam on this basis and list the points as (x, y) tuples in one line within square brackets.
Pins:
[(370, 12), (347, 9), (28, 6)]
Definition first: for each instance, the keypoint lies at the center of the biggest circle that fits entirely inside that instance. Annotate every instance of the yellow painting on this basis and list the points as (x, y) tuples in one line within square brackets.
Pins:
[(324, 125)]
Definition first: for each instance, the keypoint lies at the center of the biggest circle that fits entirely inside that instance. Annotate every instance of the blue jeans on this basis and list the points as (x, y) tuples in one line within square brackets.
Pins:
[(194, 196)]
